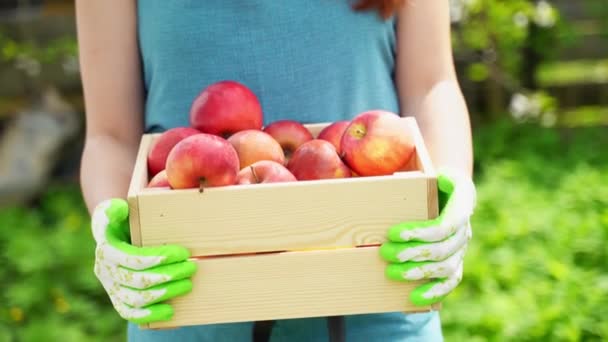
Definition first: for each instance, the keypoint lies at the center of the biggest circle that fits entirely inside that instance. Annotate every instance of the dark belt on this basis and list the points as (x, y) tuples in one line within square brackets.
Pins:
[(335, 329)]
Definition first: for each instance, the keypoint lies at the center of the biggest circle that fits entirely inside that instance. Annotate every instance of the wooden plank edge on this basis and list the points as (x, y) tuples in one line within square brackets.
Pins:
[(139, 177), (422, 152), (401, 191), (432, 198), (397, 176), (315, 262), (138, 182), (134, 221), (432, 308), (316, 128)]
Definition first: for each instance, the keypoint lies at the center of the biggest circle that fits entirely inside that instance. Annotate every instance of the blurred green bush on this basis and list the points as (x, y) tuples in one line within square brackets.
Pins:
[(47, 286), (536, 269)]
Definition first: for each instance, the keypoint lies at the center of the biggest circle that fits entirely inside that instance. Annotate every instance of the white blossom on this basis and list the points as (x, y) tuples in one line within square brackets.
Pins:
[(521, 20), (544, 15), (520, 105), (459, 9)]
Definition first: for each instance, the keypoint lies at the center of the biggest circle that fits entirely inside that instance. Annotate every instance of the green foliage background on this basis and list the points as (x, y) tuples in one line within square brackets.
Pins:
[(536, 269), (47, 286)]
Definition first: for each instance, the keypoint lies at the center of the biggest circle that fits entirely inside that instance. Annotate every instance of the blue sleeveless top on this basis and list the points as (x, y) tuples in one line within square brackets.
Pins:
[(306, 60), (311, 61)]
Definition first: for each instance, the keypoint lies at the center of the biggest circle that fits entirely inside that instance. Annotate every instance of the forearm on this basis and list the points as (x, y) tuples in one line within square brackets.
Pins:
[(445, 125), (428, 86), (113, 92), (106, 167)]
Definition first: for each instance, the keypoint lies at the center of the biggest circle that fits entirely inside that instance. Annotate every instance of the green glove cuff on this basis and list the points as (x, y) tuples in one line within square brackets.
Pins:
[(137, 279), (117, 235), (433, 249)]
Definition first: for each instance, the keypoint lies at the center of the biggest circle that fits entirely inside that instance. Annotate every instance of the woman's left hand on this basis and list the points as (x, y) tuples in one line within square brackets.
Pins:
[(434, 249)]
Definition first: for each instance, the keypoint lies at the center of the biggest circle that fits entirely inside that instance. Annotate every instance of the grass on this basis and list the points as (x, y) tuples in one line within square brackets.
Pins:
[(535, 270), (565, 73)]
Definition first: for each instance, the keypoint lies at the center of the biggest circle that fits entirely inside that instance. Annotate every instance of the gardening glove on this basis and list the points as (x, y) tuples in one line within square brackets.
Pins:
[(434, 249), (137, 279)]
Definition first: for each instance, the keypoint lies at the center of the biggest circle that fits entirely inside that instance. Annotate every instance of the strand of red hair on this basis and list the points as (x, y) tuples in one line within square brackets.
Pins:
[(386, 8)]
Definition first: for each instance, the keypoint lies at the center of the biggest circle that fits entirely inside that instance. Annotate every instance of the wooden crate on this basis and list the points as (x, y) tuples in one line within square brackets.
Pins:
[(317, 241)]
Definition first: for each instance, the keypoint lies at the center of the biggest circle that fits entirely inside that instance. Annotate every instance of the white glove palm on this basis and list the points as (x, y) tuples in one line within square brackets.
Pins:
[(137, 279), (434, 249)]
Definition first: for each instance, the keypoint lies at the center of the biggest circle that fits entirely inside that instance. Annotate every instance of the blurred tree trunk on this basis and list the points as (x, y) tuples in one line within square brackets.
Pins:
[(495, 96), (31, 145), (531, 60)]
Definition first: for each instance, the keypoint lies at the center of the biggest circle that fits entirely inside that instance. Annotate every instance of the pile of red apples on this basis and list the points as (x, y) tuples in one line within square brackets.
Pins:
[(226, 144)]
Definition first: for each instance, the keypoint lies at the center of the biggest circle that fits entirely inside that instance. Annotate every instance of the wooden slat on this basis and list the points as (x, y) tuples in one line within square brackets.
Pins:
[(138, 182), (291, 285), (433, 200), (315, 129), (134, 224), (425, 164), (422, 157), (282, 216)]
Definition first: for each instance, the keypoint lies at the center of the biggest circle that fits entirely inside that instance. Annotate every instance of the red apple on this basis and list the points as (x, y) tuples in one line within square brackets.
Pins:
[(202, 160), (159, 181), (289, 134), (157, 157), (317, 159), (253, 145), (333, 133), (264, 171), (226, 107), (377, 143)]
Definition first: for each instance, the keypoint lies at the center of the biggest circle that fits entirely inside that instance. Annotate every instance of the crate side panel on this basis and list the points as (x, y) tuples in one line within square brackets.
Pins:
[(291, 285), (139, 179), (316, 128), (433, 198), (422, 157), (275, 217), (134, 224)]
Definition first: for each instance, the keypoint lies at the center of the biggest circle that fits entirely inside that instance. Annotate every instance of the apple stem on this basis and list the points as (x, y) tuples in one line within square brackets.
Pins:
[(255, 175), (201, 185)]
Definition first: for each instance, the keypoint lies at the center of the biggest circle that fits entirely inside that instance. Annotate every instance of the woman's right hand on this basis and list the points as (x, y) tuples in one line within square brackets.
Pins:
[(137, 279)]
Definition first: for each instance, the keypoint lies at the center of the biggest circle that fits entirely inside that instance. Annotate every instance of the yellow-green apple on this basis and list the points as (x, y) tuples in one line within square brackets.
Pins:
[(203, 160), (333, 133), (226, 107), (264, 171), (252, 145), (290, 134), (159, 180), (157, 156), (376, 143), (317, 159)]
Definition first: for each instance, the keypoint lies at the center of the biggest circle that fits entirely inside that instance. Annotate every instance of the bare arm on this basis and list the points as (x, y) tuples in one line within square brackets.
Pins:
[(109, 60), (428, 87)]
